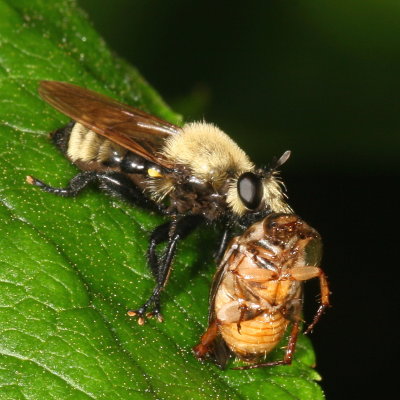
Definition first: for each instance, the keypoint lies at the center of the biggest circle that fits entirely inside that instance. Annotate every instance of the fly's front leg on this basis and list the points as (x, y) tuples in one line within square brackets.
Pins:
[(159, 235), (172, 232)]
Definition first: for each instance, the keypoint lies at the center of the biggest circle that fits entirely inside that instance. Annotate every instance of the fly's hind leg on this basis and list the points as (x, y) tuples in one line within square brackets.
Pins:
[(114, 183), (172, 232), (75, 185)]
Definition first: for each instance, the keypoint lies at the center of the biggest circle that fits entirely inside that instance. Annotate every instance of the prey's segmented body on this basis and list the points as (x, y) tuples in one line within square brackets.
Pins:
[(194, 173), (257, 291)]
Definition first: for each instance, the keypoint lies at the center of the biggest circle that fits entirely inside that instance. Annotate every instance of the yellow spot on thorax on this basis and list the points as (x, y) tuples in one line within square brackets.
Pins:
[(153, 173)]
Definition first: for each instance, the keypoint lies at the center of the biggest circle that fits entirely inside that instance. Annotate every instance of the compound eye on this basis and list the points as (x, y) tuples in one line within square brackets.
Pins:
[(250, 190)]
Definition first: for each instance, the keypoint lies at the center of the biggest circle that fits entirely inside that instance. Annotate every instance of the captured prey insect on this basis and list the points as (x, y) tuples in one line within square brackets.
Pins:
[(194, 173), (257, 291)]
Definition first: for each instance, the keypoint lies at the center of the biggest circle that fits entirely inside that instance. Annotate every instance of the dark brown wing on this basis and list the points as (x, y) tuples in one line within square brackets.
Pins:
[(133, 129), (215, 284), (220, 352)]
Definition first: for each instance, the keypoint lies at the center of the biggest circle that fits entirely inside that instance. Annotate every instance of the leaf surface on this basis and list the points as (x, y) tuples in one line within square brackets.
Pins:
[(70, 268)]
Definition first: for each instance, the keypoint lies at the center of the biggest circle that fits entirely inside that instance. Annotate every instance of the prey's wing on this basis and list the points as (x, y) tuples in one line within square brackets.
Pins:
[(133, 129)]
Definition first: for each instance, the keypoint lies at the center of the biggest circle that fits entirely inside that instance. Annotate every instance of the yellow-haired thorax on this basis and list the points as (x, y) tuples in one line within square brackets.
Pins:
[(209, 153), (205, 154)]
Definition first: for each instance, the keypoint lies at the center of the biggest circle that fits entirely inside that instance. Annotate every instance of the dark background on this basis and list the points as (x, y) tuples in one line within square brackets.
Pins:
[(319, 78)]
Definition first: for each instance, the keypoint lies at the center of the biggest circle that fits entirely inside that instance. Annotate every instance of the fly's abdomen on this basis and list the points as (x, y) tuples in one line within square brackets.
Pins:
[(255, 337), (85, 145), (91, 151)]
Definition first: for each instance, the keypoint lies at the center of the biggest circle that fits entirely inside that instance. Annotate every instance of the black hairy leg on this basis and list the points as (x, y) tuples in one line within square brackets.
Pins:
[(75, 185), (114, 183), (159, 235), (172, 232)]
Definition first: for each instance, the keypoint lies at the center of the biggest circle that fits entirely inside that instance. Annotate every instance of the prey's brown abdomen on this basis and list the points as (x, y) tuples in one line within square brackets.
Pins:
[(257, 336)]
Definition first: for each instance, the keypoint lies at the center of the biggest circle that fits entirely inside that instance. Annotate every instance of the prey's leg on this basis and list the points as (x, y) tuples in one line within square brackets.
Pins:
[(206, 341), (306, 273)]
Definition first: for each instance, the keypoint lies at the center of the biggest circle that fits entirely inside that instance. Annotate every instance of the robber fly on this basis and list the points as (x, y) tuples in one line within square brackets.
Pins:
[(194, 173), (257, 291)]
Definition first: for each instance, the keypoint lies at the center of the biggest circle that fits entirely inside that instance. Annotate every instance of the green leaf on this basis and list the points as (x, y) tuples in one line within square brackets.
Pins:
[(70, 268)]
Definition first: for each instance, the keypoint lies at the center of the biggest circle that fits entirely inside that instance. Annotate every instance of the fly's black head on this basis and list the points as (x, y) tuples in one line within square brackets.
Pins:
[(250, 190), (261, 192)]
